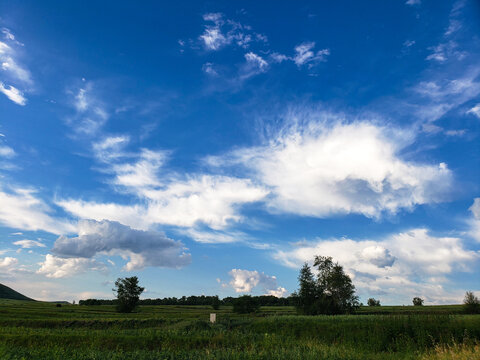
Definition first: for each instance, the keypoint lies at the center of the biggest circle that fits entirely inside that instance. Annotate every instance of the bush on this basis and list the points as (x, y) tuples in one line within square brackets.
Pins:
[(373, 302), (471, 303), (216, 303), (417, 301), (245, 304)]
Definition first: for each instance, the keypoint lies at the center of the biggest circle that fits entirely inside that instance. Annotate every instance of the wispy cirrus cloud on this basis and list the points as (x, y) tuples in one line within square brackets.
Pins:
[(28, 244), (14, 77), (449, 47), (22, 209), (90, 113), (220, 32)]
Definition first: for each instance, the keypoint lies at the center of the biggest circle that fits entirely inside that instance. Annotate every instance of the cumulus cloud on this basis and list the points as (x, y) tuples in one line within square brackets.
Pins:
[(57, 267), (28, 244), (143, 248), (316, 169), (407, 263), (244, 281), (7, 262)]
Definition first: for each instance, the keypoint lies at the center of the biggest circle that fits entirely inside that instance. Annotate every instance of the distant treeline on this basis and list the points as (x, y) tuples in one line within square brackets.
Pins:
[(264, 300)]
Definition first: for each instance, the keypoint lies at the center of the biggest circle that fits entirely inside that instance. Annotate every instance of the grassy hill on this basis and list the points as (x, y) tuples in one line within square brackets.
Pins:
[(8, 293)]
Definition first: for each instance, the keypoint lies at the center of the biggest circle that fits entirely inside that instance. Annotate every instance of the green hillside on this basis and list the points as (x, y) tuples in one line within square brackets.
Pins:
[(8, 293)]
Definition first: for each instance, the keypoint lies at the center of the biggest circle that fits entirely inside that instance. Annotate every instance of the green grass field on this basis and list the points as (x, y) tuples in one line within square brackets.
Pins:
[(35, 330)]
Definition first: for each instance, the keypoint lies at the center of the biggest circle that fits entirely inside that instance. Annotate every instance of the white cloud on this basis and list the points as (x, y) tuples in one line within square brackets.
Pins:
[(224, 32), (10, 66), (475, 222), (56, 267), (443, 95), (6, 151), (304, 54), (256, 61), (213, 38), (413, 2), (316, 169), (7, 34), (28, 244), (212, 200), (21, 209), (448, 49), (143, 248), (90, 114), (409, 43), (444, 51), (209, 69), (278, 58), (142, 173), (475, 111), (7, 262), (244, 281), (402, 265), (13, 94)]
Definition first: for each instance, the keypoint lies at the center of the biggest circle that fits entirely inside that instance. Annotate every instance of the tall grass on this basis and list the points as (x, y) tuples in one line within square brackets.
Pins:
[(41, 331)]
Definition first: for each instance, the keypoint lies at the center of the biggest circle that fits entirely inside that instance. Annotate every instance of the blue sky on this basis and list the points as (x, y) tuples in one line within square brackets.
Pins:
[(212, 148)]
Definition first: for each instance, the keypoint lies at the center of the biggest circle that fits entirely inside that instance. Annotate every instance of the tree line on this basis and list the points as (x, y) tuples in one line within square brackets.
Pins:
[(263, 300), (326, 290)]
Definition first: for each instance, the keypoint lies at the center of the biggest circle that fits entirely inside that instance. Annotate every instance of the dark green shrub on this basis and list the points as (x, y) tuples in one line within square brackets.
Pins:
[(417, 301), (245, 304)]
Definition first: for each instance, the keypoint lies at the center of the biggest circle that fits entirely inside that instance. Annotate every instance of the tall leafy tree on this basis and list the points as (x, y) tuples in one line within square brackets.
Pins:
[(128, 293), (331, 292)]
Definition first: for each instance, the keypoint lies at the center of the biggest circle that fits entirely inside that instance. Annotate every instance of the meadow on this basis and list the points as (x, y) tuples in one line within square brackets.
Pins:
[(36, 330)]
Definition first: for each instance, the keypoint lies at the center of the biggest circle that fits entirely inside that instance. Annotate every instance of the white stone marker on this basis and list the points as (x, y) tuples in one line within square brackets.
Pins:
[(213, 318)]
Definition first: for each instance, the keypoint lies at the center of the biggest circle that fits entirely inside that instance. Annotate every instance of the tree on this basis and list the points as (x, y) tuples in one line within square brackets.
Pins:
[(128, 293), (332, 292), (245, 304), (307, 294), (417, 301), (471, 303), (373, 302), (215, 303)]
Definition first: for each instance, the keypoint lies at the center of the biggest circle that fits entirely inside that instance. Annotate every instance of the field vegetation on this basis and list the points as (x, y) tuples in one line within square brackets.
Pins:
[(36, 330)]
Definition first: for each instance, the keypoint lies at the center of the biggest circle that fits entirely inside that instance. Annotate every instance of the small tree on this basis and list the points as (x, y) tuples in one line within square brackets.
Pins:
[(373, 302), (471, 303), (245, 304), (128, 294), (417, 301), (216, 303)]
